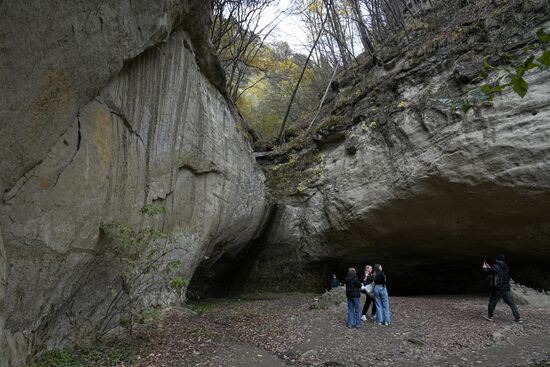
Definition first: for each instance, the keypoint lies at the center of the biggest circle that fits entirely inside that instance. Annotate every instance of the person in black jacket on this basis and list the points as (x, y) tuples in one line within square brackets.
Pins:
[(353, 287), (500, 287), (368, 279), (381, 296), (334, 282)]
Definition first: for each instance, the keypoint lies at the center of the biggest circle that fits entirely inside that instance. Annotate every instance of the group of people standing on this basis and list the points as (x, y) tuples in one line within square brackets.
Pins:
[(373, 284)]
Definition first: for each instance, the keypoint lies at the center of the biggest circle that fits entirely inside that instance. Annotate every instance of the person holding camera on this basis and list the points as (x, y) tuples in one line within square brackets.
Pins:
[(499, 283)]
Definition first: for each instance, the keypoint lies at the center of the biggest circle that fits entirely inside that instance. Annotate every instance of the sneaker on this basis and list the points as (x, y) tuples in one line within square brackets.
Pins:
[(519, 320), (364, 318), (489, 318), (386, 324), (378, 323)]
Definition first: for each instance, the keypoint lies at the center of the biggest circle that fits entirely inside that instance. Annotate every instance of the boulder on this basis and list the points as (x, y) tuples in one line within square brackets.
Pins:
[(523, 295)]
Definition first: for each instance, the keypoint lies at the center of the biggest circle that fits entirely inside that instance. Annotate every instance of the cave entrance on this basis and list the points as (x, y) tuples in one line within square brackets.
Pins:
[(407, 275)]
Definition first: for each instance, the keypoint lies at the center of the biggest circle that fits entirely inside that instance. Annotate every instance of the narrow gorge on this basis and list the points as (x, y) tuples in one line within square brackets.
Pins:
[(110, 106)]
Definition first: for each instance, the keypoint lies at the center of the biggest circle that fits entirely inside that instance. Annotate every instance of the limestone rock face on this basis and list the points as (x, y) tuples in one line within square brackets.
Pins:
[(429, 193), (106, 107)]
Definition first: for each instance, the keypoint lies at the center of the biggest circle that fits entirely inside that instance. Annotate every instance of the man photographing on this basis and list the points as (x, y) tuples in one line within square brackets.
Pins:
[(499, 282)]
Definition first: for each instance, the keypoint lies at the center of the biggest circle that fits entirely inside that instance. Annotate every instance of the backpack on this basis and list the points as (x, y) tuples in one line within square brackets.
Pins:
[(496, 281), (492, 281)]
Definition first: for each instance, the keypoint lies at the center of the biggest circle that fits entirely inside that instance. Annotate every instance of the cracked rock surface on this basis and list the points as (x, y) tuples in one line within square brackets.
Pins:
[(109, 106)]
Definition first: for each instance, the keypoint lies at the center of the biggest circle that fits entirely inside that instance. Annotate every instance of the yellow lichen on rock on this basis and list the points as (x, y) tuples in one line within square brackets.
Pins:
[(103, 134), (54, 99), (44, 182)]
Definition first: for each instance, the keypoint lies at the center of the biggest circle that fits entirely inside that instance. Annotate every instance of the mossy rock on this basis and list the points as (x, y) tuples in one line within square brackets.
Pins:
[(331, 122), (300, 172)]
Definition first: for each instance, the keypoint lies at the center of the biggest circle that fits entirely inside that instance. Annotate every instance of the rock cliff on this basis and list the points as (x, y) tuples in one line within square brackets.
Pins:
[(108, 106), (400, 175)]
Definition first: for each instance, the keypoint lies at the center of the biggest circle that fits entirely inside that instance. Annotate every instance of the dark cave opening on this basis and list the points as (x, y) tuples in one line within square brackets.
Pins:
[(433, 243), (407, 275)]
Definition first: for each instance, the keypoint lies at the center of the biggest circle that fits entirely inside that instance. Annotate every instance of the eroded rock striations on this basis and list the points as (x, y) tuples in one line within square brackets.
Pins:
[(106, 107)]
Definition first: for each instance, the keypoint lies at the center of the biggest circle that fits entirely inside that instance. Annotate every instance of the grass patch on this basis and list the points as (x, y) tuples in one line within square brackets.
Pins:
[(84, 357)]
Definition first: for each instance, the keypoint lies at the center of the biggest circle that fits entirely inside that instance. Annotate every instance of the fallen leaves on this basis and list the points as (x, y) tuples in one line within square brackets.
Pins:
[(424, 330)]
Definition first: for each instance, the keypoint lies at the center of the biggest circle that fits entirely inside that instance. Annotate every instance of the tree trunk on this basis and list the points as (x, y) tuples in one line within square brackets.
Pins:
[(365, 40), (339, 36), (282, 130), (323, 99)]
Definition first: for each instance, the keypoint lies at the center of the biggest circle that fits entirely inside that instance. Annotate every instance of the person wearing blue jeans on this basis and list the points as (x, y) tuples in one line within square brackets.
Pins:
[(381, 296), (354, 312), (353, 287)]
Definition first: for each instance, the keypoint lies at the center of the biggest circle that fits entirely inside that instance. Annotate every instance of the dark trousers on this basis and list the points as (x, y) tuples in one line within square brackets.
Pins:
[(368, 302), (506, 296)]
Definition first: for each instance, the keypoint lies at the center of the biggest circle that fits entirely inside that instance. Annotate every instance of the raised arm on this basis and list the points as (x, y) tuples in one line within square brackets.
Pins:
[(489, 269), (369, 279)]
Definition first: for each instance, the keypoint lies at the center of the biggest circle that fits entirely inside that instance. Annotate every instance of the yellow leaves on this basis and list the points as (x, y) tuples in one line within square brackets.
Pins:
[(315, 7), (365, 126), (265, 91), (402, 104)]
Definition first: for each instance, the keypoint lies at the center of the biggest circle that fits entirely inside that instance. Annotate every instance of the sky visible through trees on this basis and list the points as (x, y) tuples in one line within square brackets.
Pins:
[(280, 56)]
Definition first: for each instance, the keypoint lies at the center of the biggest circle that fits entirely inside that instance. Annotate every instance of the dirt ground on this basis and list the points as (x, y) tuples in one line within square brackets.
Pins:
[(295, 329)]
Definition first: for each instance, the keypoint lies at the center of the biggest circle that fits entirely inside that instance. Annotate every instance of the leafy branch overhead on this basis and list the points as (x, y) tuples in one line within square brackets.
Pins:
[(515, 75)]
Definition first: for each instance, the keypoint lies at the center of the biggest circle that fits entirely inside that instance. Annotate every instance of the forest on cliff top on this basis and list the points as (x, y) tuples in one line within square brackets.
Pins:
[(280, 87)]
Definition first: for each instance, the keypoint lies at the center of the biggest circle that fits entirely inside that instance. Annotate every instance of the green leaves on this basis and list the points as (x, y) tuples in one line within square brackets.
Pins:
[(517, 82), (519, 85), (543, 36), (545, 58), (488, 90), (529, 64)]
